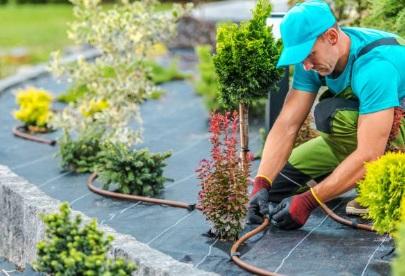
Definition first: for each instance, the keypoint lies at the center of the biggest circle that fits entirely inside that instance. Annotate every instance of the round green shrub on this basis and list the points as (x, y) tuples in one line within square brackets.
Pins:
[(137, 172), (80, 155), (382, 189), (71, 248), (398, 265)]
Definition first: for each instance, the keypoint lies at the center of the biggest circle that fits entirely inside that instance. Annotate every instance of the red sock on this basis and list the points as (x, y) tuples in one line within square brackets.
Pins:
[(260, 183)]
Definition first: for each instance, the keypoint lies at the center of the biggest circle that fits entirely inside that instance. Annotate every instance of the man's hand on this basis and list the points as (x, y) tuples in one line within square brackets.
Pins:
[(258, 207), (292, 212), (259, 200)]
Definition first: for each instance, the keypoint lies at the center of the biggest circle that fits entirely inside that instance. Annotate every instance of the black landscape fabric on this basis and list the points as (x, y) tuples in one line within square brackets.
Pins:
[(179, 122)]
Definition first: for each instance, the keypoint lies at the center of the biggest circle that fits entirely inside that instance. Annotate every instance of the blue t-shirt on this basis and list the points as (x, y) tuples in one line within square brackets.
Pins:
[(378, 77)]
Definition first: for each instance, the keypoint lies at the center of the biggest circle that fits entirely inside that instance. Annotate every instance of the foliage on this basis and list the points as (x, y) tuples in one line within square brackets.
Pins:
[(246, 58), (207, 85), (123, 34), (34, 107), (71, 248), (346, 11), (94, 106), (80, 154), (382, 189), (388, 15), (160, 74), (398, 267), (138, 172), (223, 194), (73, 94)]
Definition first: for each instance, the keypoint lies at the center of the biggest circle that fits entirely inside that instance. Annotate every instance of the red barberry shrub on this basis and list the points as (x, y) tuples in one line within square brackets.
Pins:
[(223, 196)]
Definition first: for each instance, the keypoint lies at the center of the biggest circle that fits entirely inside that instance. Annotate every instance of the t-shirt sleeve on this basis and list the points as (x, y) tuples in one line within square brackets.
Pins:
[(307, 81), (376, 85)]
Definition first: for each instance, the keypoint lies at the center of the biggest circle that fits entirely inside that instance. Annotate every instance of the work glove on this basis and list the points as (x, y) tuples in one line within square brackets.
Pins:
[(292, 212), (258, 205)]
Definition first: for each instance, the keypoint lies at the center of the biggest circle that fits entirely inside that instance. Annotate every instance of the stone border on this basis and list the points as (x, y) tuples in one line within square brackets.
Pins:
[(42, 69), (21, 203)]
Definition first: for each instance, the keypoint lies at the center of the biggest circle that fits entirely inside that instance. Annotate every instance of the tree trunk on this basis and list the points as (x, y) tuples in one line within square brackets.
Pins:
[(244, 135)]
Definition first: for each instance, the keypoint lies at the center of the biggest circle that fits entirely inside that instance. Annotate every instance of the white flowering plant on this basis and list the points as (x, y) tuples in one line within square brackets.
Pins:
[(123, 34)]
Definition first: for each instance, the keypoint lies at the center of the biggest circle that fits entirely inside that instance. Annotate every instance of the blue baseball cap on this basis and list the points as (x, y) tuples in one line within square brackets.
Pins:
[(301, 27)]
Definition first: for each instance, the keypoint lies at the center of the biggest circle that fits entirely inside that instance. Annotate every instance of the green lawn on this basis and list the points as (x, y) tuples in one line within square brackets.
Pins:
[(39, 28)]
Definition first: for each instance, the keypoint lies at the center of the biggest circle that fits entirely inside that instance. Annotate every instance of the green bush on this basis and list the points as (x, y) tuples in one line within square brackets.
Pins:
[(71, 248), (160, 74), (246, 58), (207, 84), (223, 195), (382, 189), (138, 172), (388, 15), (80, 155), (73, 94), (398, 265)]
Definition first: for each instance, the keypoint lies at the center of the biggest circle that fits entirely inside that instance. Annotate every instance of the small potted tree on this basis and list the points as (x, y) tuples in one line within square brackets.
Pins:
[(245, 63)]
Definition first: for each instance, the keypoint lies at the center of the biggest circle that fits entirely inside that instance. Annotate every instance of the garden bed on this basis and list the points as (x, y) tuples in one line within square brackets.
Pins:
[(178, 122)]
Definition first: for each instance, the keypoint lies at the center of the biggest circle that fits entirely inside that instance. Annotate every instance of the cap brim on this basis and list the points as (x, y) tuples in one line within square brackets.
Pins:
[(295, 54)]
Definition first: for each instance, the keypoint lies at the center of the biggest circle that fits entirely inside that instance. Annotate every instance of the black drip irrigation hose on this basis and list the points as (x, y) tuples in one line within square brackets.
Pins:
[(115, 195), (344, 221), (21, 132), (235, 255)]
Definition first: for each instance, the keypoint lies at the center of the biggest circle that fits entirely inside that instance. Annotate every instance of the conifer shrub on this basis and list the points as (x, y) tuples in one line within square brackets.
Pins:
[(80, 154), (246, 58), (207, 86), (34, 107), (71, 248), (223, 196), (382, 189), (137, 172)]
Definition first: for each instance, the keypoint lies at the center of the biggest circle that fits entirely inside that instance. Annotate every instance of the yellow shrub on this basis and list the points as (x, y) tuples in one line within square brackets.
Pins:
[(382, 190), (398, 265), (34, 106), (92, 107)]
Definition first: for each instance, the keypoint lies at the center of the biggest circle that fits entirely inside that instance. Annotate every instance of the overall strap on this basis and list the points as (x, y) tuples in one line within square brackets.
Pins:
[(378, 42), (367, 48)]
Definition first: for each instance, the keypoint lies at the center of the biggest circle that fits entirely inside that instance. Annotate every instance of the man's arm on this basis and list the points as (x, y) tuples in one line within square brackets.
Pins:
[(372, 135), (280, 141)]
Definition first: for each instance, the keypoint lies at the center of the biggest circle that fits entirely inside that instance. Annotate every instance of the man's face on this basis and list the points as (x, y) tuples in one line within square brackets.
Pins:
[(324, 55)]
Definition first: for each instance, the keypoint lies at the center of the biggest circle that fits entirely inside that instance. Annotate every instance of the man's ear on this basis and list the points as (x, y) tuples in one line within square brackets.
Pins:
[(332, 36)]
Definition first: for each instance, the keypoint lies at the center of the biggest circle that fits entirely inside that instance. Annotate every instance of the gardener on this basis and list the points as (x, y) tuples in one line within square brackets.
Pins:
[(364, 71)]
